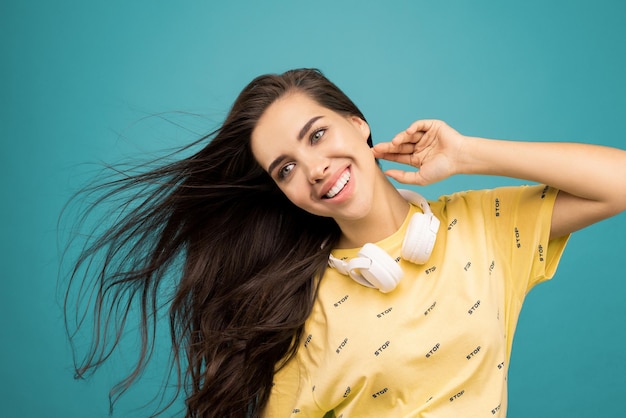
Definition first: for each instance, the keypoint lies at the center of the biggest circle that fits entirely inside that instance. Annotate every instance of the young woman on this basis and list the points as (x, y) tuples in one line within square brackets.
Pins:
[(305, 284)]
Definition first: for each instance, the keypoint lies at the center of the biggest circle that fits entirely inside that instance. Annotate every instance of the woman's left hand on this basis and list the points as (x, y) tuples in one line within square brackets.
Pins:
[(429, 145)]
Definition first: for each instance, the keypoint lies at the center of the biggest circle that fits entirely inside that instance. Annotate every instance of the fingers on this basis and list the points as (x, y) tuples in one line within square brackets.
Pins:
[(422, 145), (402, 158), (423, 125), (419, 135), (415, 140), (415, 132), (391, 148), (407, 177), (408, 136)]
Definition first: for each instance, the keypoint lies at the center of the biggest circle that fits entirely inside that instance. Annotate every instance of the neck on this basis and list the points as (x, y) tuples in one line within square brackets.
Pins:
[(387, 215)]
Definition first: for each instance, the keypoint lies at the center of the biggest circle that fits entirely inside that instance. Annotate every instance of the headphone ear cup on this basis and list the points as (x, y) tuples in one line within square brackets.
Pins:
[(384, 272), (420, 238)]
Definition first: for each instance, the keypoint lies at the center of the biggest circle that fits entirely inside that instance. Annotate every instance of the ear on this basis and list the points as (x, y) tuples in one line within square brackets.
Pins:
[(361, 125)]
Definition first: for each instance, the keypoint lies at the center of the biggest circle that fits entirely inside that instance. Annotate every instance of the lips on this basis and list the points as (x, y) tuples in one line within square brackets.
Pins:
[(341, 183)]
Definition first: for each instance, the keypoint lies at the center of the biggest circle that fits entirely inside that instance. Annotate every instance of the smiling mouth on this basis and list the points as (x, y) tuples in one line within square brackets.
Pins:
[(341, 183)]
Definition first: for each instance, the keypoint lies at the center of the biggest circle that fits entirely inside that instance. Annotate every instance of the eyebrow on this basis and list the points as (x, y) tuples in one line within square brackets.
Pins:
[(307, 126), (303, 131)]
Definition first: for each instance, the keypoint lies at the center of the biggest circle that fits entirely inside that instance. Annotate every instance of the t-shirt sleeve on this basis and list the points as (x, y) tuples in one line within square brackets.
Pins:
[(520, 218), (292, 393), (284, 393)]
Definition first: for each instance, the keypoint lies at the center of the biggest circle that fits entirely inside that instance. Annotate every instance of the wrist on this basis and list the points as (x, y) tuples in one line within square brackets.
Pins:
[(470, 156)]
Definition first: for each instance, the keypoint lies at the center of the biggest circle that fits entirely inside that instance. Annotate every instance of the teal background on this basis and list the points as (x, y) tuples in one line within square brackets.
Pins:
[(78, 78)]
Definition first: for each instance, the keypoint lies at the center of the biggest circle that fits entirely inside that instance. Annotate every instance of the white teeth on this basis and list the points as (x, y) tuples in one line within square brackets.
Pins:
[(341, 183)]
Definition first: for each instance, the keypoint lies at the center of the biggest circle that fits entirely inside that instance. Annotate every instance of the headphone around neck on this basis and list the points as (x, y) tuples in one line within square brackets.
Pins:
[(373, 267)]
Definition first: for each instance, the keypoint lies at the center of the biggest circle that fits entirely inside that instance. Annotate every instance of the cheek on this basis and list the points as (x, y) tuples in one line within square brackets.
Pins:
[(299, 196), (295, 195)]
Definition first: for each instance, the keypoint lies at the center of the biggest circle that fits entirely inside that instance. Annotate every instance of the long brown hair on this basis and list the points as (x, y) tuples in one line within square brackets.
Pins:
[(241, 261)]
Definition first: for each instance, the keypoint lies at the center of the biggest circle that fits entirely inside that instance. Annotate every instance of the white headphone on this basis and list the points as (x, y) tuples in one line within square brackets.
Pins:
[(373, 267)]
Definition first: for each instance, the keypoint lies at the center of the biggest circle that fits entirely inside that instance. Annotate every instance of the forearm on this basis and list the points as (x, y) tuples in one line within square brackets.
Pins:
[(587, 171)]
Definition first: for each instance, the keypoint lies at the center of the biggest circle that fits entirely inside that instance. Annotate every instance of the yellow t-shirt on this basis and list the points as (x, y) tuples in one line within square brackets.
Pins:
[(439, 344)]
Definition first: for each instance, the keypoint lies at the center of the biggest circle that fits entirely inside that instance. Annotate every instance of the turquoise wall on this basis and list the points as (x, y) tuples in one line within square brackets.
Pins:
[(78, 78)]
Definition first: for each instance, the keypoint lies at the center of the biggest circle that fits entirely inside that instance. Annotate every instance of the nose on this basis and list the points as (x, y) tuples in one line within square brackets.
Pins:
[(317, 169)]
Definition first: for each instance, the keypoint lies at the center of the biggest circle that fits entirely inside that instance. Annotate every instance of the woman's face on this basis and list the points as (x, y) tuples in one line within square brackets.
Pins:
[(319, 158)]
